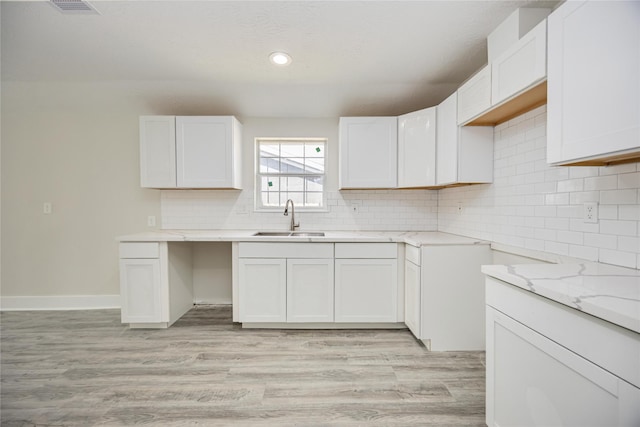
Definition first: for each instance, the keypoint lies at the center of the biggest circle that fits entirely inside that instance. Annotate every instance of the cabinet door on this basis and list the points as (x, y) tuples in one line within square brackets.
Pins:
[(532, 381), (310, 290), (368, 152), (158, 151), (263, 289), (520, 66), (140, 291), (593, 108), (205, 152), (447, 141), (417, 149), (474, 96), (412, 297), (366, 290)]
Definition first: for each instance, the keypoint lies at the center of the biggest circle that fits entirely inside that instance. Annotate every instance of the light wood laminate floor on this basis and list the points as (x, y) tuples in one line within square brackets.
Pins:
[(84, 368)]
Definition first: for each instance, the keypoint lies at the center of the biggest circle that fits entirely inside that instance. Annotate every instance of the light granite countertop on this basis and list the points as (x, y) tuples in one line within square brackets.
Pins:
[(605, 291), (414, 238)]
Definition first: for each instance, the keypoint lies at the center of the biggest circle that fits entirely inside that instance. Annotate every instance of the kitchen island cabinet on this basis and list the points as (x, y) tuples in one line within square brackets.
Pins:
[(563, 345)]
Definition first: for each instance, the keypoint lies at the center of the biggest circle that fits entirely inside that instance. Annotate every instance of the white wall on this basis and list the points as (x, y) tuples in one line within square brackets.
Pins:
[(76, 146), (233, 209), (536, 206)]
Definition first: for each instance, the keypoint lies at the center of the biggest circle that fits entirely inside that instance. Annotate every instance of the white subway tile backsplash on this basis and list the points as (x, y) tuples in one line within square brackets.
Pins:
[(620, 228), (629, 180), (553, 208), (629, 212), (619, 197), (601, 183)]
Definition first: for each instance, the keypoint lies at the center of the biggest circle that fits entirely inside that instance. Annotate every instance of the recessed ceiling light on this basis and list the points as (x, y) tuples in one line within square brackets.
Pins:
[(280, 58)]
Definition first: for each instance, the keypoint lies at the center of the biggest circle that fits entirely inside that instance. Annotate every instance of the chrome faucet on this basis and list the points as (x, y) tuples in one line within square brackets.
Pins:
[(293, 225)]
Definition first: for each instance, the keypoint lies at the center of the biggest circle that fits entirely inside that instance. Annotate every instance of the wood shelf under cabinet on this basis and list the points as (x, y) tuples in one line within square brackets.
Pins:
[(528, 100)]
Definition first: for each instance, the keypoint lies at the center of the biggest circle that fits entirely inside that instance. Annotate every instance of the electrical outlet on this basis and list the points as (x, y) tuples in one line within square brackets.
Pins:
[(47, 208), (151, 221), (590, 212)]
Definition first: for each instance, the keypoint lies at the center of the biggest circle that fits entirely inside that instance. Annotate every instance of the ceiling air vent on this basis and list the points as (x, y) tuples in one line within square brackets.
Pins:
[(74, 6)]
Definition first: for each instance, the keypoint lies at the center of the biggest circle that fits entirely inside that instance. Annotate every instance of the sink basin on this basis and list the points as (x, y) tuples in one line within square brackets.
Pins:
[(289, 234)]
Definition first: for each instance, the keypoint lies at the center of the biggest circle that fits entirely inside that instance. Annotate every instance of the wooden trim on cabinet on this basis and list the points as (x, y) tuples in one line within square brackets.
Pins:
[(532, 98)]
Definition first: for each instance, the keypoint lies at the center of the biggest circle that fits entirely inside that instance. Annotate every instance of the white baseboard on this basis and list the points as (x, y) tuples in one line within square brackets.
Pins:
[(62, 302)]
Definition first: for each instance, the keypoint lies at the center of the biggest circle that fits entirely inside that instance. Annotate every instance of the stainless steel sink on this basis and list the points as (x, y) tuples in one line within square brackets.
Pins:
[(289, 234)]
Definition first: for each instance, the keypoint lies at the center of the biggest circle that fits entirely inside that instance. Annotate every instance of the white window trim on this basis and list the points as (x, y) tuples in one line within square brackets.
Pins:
[(257, 186)]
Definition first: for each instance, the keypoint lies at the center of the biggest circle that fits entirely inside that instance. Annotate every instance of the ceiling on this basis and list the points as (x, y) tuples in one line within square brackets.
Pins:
[(349, 57)]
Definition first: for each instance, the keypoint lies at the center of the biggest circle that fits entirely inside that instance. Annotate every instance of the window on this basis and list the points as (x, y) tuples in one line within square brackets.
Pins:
[(290, 169)]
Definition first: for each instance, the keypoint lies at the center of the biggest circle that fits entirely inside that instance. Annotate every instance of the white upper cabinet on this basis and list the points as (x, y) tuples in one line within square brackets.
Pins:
[(593, 111), (464, 154), (190, 152), (520, 66), (158, 151), (368, 152), (474, 96), (417, 149)]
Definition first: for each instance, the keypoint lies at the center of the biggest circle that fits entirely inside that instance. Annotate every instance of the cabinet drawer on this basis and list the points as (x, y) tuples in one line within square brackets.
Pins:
[(366, 250), (285, 250), (140, 250), (412, 254)]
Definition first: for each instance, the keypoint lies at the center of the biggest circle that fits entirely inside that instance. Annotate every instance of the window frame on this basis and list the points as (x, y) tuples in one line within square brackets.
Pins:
[(258, 206)]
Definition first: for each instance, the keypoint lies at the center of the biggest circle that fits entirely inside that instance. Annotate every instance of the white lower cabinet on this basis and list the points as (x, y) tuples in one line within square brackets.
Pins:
[(366, 282), (533, 380), (263, 290), (412, 297), (285, 282), (140, 290), (156, 286), (309, 290), (444, 295)]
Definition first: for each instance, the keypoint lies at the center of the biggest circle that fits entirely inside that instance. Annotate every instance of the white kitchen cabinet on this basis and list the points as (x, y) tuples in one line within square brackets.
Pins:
[(521, 66), (156, 286), (593, 110), (474, 96), (464, 155), (512, 29), (140, 291), (368, 152), (158, 151), (366, 282), (310, 290), (417, 149), (536, 378), (412, 284), (263, 289), (190, 152), (285, 282), (444, 302)]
